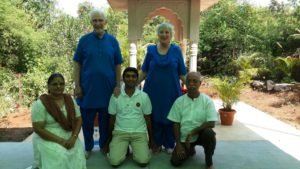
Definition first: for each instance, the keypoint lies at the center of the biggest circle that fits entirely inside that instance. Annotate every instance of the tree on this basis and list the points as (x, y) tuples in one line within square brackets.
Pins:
[(41, 12), (226, 30), (20, 44), (84, 9), (229, 30)]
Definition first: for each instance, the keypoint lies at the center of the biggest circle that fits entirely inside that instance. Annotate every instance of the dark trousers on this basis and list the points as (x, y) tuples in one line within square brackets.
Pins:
[(163, 134), (207, 139), (88, 116)]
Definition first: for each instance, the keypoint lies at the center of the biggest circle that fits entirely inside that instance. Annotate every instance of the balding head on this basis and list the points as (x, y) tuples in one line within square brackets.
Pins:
[(194, 74), (193, 82)]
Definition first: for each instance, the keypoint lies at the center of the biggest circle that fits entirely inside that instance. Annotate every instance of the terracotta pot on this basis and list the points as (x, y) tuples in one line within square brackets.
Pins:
[(227, 117)]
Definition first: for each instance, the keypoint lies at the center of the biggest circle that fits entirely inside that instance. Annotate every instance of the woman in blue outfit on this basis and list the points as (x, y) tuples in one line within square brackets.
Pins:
[(162, 70)]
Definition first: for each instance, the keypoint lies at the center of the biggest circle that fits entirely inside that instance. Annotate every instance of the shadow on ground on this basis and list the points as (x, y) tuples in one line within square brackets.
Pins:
[(259, 154)]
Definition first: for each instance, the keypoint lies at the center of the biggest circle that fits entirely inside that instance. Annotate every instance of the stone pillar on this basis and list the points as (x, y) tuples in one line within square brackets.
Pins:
[(194, 32), (132, 54), (193, 56), (183, 45)]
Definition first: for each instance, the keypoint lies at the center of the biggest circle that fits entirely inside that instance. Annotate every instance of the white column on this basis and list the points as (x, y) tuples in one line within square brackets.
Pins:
[(132, 54), (183, 45), (193, 56)]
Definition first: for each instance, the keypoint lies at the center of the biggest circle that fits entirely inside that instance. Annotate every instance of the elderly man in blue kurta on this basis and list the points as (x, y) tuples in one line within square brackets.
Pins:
[(194, 116), (130, 122), (97, 71)]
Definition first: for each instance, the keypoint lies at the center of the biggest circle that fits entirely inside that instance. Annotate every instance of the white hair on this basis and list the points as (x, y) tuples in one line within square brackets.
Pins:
[(165, 25), (97, 12)]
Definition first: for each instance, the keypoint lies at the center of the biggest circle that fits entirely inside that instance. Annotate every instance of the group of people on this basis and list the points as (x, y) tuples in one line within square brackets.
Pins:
[(159, 117)]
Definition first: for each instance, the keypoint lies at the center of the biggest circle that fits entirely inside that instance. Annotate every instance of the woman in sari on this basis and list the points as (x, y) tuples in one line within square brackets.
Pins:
[(56, 122)]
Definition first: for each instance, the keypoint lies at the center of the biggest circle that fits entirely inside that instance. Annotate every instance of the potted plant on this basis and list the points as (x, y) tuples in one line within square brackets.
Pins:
[(229, 90)]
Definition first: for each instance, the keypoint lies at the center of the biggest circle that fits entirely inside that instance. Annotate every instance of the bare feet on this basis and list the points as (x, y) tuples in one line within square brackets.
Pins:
[(156, 150), (211, 167), (104, 151), (87, 154)]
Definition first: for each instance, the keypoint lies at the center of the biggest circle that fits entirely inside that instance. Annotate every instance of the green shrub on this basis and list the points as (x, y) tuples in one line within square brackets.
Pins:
[(35, 81), (228, 89), (8, 92), (287, 66), (6, 104), (25, 88), (296, 72)]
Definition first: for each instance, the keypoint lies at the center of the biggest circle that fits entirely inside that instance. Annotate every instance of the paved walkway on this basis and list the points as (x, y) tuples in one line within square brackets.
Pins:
[(255, 141)]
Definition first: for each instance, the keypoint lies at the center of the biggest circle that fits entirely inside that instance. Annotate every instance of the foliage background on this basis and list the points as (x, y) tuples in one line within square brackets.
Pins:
[(36, 39)]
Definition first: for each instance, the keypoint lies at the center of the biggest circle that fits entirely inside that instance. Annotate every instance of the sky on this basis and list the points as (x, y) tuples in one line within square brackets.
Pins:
[(262, 2), (70, 6)]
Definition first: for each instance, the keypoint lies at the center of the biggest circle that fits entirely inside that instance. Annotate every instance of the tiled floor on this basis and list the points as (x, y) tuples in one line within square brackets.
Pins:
[(255, 141)]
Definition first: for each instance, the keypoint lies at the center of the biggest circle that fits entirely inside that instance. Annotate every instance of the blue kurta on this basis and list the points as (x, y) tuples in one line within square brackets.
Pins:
[(162, 82), (98, 58)]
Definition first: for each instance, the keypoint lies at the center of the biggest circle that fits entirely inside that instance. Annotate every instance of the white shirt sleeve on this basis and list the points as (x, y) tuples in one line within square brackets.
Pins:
[(112, 108), (211, 112)]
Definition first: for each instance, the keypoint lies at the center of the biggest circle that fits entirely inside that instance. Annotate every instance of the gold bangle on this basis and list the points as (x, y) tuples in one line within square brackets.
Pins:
[(75, 135)]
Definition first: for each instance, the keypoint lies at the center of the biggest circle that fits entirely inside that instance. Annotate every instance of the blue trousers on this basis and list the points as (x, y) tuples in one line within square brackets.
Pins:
[(163, 134), (88, 116)]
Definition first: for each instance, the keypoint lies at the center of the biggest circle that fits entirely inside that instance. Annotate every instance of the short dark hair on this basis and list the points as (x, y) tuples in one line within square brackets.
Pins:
[(198, 74), (130, 69), (54, 75)]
